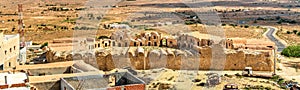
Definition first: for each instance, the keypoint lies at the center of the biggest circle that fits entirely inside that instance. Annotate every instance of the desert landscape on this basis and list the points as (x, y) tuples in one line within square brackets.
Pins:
[(149, 44)]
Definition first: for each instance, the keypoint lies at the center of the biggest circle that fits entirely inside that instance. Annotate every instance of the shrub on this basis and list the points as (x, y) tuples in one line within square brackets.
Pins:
[(31, 49), (201, 84), (149, 29), (237, 74), (279, 69), (288, 32), (275, 78), (291, 51), (280, 81), (246, 26), (295, 31), (197, 80), (268, 88), (298, 34), (260, 18), (35, 44), (45, 44), (230, 76), (232, 25), (282, 87), (279, 22), (223, 24), (278, 18), (189, 22)]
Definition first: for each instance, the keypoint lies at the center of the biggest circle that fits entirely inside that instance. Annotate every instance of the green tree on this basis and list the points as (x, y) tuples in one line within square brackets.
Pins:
[(291, 51), (288, 32)]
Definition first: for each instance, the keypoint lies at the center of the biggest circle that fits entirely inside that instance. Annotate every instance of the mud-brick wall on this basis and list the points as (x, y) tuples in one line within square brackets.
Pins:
[(140, 59), (259, 62), (235, 61), (205, 59), (101, 61), (170, 59)]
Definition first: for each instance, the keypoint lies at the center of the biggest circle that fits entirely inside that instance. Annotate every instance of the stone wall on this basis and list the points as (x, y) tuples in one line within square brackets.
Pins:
[(201, 59)]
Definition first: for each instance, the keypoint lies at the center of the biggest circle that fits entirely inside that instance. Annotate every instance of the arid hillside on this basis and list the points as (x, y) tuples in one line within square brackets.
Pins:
[(45, 20)]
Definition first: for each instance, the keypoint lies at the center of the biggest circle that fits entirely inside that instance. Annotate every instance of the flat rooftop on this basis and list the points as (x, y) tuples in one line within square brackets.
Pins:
[(13, 78), (89, 82), (102, 81), (7, 37), (57, 68)]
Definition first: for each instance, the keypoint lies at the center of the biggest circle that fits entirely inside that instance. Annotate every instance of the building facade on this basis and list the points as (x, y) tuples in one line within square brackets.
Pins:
[(9, 50), (193, 39)]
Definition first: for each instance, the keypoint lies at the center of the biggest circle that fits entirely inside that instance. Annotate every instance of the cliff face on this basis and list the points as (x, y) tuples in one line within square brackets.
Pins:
[(205, 58)]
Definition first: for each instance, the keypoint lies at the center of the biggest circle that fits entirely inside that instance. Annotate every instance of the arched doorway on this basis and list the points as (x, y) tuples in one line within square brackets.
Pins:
[(163, 43)]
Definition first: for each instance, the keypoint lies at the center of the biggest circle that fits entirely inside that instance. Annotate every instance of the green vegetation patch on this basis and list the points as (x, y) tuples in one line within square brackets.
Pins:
[(44, 45), (292, 51)]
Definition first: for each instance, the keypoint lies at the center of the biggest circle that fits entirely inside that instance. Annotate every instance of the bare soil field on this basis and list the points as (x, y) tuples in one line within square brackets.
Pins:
[(253, 32), (289, 68), (291, 38), (43, 24), (183, 80)]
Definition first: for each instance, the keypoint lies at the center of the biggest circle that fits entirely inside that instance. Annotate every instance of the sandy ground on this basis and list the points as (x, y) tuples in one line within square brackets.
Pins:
[(182, 80), (33, 17), (291, 39), (288, 68)]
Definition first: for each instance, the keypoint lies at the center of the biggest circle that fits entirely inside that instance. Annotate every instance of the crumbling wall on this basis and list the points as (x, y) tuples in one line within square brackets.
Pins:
[(140, 59), (154, 58), (177, 59), (235, 60), (259, 62), (184, 59), (205, 58), (110, 65), (101, 60), (170, 59)]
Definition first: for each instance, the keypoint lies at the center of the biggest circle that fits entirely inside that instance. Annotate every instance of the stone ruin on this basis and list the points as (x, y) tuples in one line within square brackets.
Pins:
[(188, 51), (141, 58)]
